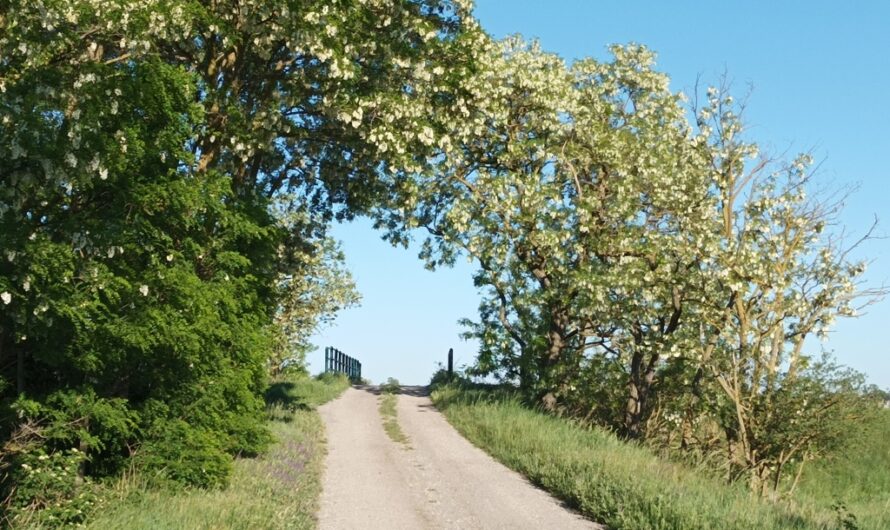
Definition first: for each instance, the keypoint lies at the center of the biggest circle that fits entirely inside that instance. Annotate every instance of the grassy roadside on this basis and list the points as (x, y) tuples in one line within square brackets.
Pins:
[(612, 482), (280, 489)]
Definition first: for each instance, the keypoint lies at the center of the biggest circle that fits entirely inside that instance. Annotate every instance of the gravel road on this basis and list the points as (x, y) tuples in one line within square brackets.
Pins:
[(441, 481)]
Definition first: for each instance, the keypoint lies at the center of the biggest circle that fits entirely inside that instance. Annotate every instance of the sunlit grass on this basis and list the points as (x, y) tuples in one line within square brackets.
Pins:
[(280, 489), (391, 419), (613, 482), (858, 480)]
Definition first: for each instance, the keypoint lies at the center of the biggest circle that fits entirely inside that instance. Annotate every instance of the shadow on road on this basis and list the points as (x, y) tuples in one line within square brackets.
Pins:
[(408, 390)]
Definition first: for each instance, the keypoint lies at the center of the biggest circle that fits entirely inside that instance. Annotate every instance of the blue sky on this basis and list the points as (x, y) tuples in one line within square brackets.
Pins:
[(820, 75)]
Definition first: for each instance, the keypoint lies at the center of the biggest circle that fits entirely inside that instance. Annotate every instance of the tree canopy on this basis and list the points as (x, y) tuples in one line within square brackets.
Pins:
[(169, 173)]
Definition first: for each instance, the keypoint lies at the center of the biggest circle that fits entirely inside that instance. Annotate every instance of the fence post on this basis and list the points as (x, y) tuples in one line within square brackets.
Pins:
[(450, 362)]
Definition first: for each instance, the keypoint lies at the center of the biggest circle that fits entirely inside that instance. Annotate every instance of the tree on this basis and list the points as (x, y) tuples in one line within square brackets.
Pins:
[(310, 296), (773, 277), (572, 188), (169, 172)]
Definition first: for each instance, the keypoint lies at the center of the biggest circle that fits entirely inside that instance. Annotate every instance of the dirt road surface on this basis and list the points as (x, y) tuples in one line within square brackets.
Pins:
[(441, 481)]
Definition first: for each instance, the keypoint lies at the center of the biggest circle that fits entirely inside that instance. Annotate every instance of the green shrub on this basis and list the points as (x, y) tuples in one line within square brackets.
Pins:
[(391, 386), (279, 490), (49, 489), (179, 453), (441, 377)]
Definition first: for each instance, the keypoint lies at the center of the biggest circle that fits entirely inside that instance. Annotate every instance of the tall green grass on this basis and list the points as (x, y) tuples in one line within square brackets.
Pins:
[(278, 490), (622, 485), (856, 482)]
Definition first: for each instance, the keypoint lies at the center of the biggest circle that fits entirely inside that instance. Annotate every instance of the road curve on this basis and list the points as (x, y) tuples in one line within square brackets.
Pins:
[(441, 481)]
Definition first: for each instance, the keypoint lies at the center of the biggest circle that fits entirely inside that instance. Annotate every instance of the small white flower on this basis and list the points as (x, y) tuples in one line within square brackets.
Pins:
[(144, 290), (169, 257), (6, 297)]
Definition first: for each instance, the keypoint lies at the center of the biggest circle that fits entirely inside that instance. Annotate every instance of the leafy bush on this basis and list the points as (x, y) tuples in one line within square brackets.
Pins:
[(442, 377), (391, 386), (179, 453), (49, 489)]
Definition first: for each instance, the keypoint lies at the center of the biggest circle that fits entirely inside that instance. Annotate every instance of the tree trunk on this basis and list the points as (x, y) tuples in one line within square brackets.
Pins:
[(639, 387), (551, 365), (555, 383), (83, 448), (633, 407)]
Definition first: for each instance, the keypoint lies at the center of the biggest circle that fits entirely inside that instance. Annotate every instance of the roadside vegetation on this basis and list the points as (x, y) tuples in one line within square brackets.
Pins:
[(170, 173), (629, 486), (277, 490), (855, 482), (389, 414)]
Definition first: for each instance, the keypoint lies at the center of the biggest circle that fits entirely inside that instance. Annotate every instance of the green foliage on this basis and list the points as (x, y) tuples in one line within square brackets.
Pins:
[(857, 478), (59, 443), (279, 490), (165, 195), (50, 489), (391, 386), (288, 393), (177, 452), (650, 273), (441, 377), (620, 484), (78, 418)]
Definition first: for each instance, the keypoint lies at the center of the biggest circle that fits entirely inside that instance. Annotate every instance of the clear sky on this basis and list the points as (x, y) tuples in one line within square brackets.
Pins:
[(820, 74)]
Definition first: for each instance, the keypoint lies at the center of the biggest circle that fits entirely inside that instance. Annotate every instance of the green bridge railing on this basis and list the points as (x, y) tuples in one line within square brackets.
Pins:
[(337, 361)]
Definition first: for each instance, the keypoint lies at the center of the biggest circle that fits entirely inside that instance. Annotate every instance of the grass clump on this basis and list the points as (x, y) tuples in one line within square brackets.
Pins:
[(391, 386), (610, 481), (279, 489), (388, 412)]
